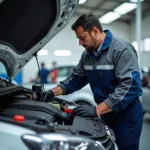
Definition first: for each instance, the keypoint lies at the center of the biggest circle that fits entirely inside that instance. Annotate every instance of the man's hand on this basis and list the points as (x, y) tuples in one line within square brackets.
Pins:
[(48, 95), (51, 93), (85, 111)]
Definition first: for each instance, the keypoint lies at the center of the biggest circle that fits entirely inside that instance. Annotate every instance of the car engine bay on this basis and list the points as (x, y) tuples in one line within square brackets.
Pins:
[(24, 107)]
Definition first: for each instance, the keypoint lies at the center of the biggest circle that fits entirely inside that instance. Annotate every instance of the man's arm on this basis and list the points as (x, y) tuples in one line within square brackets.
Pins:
[(129, 88), (57, 91), (102, 108), (76, 80), (128, 75)]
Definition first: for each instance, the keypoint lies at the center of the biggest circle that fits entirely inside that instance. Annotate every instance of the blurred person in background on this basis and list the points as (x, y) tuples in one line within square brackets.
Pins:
[(44, 73), (53, 73)]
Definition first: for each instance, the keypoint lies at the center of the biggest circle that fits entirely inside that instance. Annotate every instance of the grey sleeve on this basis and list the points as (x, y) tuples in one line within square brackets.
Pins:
[(128, 75), (76, 80)]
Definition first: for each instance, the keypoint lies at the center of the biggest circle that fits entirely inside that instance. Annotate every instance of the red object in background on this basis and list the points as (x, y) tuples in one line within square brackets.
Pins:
[(19, 118), (53, 75), (145, 81)]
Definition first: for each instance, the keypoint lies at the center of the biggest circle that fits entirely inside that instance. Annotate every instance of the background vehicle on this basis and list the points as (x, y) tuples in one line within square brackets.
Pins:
[(146, 99), (145, 76), (146, 89), (64, 71)]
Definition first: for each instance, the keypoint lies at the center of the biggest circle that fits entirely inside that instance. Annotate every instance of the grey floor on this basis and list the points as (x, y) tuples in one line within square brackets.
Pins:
[(145, 137)]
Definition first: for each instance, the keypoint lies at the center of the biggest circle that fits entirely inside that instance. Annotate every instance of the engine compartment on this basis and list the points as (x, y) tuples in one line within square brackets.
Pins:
[(49, 116)]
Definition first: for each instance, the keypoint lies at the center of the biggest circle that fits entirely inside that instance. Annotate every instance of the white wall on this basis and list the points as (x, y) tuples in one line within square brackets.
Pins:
[(66, 39), (119, 29), (145, 32)]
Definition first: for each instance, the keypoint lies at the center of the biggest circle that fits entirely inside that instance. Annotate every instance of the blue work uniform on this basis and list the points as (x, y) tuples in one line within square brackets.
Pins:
[(114, 77)]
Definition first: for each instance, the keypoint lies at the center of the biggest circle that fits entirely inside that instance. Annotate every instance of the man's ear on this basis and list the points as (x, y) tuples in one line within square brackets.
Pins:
[(94, 31)]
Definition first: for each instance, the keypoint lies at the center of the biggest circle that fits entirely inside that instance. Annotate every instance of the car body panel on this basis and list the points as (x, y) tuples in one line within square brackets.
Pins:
[(13, 134)]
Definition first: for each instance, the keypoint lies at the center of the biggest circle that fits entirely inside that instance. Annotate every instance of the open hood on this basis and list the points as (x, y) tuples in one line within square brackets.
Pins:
[(27, 25)]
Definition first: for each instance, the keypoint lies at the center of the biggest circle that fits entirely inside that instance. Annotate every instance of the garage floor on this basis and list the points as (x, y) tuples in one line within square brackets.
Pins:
[(145, 137)]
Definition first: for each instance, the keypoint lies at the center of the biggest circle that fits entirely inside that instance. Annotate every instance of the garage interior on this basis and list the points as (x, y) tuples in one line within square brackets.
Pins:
[(126, 19)]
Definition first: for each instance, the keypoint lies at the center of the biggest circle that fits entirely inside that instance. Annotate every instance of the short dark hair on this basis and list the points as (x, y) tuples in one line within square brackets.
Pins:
[(87, 21)]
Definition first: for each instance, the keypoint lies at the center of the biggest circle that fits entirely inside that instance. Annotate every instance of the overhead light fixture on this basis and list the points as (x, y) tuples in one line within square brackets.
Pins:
[(43, 52), (109, 17), (135, 1), (82, 1), (125, 8), (62, 53)]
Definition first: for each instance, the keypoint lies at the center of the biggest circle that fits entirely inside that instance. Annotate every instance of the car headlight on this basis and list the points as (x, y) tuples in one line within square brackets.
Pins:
[(111, 134), (60, 142)]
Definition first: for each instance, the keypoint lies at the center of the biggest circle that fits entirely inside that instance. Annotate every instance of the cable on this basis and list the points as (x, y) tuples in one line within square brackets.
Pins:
[(39, 71)]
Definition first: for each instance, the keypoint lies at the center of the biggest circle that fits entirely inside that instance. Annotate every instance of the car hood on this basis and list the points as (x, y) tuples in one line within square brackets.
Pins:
[(27, 25)]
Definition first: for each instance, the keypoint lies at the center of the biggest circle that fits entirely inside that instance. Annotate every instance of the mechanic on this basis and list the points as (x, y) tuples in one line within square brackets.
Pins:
[(110, 66)]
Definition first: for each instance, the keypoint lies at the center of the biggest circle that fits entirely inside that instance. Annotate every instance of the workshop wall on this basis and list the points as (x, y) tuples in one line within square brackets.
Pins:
[(145, 32)]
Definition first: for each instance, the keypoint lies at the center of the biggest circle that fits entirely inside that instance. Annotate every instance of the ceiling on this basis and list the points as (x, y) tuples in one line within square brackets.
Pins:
[(101, 7)]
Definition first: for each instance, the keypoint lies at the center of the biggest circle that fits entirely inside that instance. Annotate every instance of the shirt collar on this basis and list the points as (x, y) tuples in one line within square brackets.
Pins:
[(100, 46), (107, 40), (96, 52), (105, 44)]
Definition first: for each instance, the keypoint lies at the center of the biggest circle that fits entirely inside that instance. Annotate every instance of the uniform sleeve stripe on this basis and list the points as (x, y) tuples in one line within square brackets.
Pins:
[(98, 67), (105, 67)]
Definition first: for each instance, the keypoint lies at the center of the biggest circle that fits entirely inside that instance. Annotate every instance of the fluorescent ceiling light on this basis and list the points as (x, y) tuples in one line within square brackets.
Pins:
[(43, 52), (135, 1), (109, 17), (82, 1), (125, 8), (62, 53)]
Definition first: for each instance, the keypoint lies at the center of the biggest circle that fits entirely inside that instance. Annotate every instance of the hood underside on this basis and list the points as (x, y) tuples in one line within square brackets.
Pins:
[(27, 25)]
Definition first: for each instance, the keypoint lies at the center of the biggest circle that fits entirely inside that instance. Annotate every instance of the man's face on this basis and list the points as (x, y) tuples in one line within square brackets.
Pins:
[(86, 39)]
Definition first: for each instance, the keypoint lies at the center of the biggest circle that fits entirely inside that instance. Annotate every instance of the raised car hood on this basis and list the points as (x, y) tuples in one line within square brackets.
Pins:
[(27, 25)]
